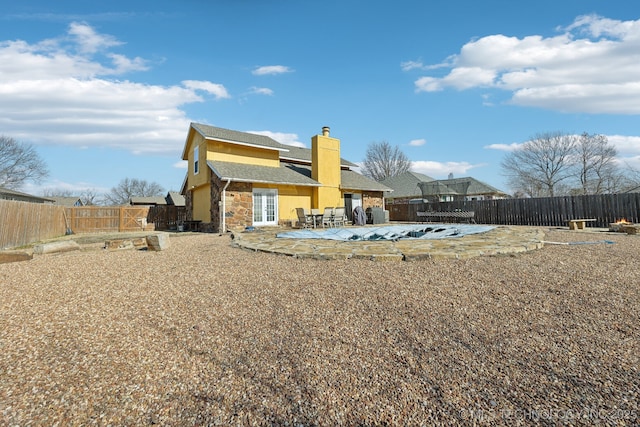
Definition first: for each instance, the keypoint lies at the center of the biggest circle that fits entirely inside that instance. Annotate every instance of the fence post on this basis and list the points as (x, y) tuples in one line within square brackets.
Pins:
[(120, 219)]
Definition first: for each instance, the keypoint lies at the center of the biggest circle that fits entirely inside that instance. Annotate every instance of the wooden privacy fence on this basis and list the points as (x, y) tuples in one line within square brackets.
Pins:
[(167, 217), (95, 219), (22, 223), (544, 211)]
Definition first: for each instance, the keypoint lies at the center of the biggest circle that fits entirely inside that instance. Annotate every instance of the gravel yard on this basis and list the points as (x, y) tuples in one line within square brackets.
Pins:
[(205, 334)]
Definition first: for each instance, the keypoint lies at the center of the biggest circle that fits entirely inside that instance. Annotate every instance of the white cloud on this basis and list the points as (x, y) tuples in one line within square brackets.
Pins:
[(417, 142), (215, 89), (593, 66), (52, 93), (271, 69), (442, 169), (283, 138), (182, 164), (124, 65), (57, 185), (626, 145), (419, 65), (261, 91), (411, 65), (88, 41), (503, 147)]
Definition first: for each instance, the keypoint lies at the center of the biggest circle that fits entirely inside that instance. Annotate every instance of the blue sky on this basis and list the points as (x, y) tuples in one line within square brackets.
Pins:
[(106, 90)]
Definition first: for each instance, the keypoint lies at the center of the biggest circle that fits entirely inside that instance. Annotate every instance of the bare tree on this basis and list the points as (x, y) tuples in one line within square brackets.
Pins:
[(596, 167), (127, 188), (541, 165), (90, 197), (384, 161), (19, 163), (630, 181)]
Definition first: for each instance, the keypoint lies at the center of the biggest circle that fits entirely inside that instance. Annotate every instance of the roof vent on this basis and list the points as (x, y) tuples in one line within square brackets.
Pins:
[(325, 131)]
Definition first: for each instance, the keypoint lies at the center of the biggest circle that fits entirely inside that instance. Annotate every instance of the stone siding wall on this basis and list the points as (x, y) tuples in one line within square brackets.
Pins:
[(188, 203), (238, 205), (216, 196), (372, 199)]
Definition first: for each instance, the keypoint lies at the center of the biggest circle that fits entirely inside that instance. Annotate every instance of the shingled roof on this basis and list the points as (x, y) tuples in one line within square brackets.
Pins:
[(8, 194), (285, 174), (354, 181), (287, 152), (289, 174), (234, 136)]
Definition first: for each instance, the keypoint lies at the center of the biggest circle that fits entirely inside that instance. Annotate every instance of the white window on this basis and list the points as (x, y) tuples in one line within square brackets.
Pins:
[(265, 206), (196, 160)]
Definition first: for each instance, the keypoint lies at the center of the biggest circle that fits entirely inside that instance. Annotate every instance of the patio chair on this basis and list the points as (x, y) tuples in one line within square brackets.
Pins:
[(339, 217), (327, 217), (304, 220)]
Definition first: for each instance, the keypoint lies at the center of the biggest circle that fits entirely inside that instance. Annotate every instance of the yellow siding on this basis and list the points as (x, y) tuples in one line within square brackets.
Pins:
[(290, 198), (203, 175), (202, 203), (234, 153)]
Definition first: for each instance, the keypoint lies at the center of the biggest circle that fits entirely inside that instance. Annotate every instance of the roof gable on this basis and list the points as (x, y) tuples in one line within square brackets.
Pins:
[(67, 201), (174, 198)]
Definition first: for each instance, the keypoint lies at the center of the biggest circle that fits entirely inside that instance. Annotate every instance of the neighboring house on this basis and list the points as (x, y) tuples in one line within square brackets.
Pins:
[(238, 179), (147, 201), (467, 188), (175, 199), (405, 187), (67, 201), (6, 194)]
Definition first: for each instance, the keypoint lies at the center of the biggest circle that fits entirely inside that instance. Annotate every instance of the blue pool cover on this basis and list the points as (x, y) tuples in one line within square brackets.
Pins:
[(389, 232)]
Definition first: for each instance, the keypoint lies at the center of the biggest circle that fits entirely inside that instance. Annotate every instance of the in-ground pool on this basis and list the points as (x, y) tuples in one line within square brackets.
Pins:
[(389, 232)]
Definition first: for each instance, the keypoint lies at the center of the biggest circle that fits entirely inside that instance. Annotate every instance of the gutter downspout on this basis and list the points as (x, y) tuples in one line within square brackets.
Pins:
[(224, 208)]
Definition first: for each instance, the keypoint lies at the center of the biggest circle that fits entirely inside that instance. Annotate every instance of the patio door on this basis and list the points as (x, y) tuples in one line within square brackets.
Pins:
[(265, 206), (350, 203)]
